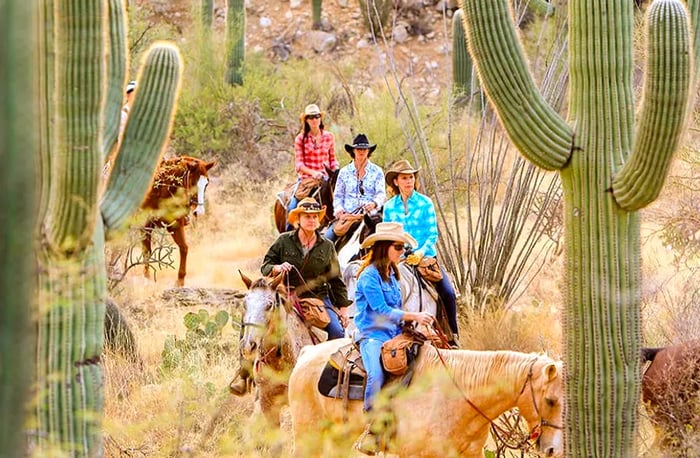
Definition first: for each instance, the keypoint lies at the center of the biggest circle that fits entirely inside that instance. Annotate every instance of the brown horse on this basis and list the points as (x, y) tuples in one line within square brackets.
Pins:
[(178, 188), (322, 193), (671, 391)]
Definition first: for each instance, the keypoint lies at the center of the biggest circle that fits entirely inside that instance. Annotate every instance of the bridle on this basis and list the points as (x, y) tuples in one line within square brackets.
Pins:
[(536, 430)]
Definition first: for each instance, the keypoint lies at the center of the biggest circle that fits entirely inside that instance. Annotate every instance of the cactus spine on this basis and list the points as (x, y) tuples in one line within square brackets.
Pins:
[(605, 163), (235, 41), (316, 9), (72, 275), (19, 142)]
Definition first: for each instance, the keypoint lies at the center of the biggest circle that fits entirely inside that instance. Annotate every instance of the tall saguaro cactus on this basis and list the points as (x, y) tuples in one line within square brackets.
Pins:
[(235, 41), (74, 217), (610, 167), (18, 207)]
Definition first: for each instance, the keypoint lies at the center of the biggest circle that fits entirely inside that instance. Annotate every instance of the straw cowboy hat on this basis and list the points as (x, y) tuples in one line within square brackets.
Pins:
[(390, 232), (310, 110), (308, 206), (360, 142), (400, 166)]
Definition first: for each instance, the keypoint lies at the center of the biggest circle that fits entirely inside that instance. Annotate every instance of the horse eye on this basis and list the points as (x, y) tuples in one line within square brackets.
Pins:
[(550, 402)]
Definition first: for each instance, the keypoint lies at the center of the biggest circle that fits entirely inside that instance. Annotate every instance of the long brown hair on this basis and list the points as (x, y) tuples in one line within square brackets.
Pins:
[(378, 255), (305, 131)]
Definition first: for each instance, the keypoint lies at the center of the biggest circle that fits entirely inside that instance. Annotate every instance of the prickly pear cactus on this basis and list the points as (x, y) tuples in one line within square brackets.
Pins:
[(72, 274), (18, 176), (235, 41), (610, 165)]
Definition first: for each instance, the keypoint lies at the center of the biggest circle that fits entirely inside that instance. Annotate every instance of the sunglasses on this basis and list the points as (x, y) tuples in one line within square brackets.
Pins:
[(314, 116), (398, 246), (362, 189), (311, 207)]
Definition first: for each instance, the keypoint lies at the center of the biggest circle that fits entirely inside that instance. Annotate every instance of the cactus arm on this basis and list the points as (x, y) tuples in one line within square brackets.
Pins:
[(145, 135), (541, 135), (80, 54), (46, 93), (316, 9), (18, 146), (664, 106), (116, 74), (461, 61)]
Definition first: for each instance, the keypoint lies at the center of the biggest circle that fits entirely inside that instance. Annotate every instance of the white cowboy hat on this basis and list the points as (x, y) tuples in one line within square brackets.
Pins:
[(307, 205), (311, 110), (390, 232)]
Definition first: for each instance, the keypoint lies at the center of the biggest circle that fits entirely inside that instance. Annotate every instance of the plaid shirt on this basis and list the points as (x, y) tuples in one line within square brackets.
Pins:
[(418, 220), (315, 155)]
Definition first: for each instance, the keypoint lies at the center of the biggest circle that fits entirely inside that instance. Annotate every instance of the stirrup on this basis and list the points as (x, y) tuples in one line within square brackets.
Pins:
[(368, 443), (240, 387)]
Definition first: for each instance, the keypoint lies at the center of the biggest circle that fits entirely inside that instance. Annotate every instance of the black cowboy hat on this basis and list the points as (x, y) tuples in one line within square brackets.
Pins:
[(360, 142)]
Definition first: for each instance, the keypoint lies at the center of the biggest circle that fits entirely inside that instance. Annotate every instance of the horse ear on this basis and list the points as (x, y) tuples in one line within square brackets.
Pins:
[(277, 280), (245, 279), (551, 371), (209, 165)]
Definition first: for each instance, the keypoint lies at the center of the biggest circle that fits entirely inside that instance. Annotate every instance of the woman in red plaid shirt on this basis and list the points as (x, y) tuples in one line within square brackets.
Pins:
[(314, 151)]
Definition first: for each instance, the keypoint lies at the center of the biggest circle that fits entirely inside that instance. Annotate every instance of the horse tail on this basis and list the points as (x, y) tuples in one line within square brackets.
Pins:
[(648, 354)]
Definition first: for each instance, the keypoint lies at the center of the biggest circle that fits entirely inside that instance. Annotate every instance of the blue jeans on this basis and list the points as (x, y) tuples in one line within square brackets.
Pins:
[(370, 349), (449, 300), (293, 202), (330, 235), (334, 329)]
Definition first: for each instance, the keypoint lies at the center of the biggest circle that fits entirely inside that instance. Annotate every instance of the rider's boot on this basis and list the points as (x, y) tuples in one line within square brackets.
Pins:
[(241, 384)]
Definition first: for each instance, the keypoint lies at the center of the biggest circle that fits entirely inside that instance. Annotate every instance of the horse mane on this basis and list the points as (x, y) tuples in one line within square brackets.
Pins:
[(260, 283), (476, 367)]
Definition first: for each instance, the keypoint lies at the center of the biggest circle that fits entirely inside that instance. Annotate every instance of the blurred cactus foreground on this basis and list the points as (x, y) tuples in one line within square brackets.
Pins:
[(18, 145), (80, 92), (610, 165)]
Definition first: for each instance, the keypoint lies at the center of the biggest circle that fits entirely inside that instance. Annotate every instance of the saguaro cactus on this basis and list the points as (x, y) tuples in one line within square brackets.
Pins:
[(72, 275), (316, 10), (609, 168), (207, 14), (235, 41), (461, 61), (18, 175)]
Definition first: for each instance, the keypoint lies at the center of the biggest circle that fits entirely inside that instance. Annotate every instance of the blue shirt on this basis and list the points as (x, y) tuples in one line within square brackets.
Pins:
[(418, 219), (351, 193), (378, 303)]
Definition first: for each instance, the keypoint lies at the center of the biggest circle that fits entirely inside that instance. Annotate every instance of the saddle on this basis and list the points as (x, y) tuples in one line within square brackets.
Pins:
[(305, 189), (344, 375)]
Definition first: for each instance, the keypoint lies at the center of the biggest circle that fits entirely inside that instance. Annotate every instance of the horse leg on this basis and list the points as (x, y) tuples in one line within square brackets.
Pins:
[(178, 233), (146, 249)]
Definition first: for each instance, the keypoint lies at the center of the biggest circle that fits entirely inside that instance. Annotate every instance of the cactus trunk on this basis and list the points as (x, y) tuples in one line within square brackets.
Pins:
[(316, 10), (610, 168), (19, 141), (72, 273), (461, 61), (235, 41)]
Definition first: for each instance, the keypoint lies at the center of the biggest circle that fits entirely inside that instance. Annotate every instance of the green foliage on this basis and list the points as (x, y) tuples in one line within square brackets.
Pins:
[(203, 341)]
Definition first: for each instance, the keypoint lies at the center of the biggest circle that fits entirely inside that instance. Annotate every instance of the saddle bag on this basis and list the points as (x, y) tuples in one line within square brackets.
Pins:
[(344, 223), (314, 312), (398, 353), (429, 269)]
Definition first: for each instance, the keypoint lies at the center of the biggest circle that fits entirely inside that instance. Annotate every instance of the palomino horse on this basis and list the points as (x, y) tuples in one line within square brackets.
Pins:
[(671, 390), (272, 337), (322, 193), (178, 186), (447, 410)]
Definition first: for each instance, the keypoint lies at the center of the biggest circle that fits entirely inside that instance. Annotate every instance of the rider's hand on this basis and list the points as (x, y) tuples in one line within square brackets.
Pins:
[(424, 318), (284, 267), (343, 314), (319, 175), (414, 258)]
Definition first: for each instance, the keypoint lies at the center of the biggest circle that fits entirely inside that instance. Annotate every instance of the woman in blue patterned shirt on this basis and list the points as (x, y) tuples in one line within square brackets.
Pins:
[(417, 214), (360, 187)]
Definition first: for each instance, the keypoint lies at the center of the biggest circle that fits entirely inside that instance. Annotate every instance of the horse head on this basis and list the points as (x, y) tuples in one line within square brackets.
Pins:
[(198, 175), (541, 404), (261, 302)]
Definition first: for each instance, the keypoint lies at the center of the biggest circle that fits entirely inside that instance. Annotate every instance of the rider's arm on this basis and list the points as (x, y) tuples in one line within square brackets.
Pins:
[(272, 257)]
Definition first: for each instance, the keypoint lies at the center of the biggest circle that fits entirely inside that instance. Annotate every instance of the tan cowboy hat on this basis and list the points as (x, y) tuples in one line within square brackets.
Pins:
[(400, 166), (312, 109), (390, 232), (307, 205)]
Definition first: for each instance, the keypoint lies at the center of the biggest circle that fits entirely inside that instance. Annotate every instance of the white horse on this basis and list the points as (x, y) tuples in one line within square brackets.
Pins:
[(446, 411), (272, 337)]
